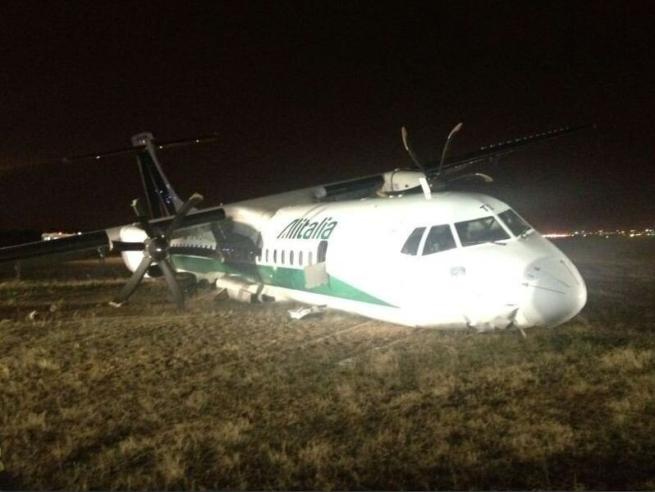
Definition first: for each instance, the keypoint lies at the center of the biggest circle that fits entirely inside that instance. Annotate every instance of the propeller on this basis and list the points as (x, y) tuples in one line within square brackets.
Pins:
[(405, 136), (452, 133), (155, 251), (485, 178), (436, 179)]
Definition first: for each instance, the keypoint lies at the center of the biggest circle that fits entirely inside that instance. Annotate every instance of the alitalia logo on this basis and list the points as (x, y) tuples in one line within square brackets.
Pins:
[(305, 229)]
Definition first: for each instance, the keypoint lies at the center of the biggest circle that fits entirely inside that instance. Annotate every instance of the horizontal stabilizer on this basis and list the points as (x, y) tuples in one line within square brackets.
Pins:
[(138, 148)]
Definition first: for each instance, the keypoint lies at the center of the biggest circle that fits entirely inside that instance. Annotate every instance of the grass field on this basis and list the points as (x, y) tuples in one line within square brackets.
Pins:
[(237, 396)]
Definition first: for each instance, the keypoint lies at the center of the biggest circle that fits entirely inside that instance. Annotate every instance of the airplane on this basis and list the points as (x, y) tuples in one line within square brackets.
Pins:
[(398, 246)]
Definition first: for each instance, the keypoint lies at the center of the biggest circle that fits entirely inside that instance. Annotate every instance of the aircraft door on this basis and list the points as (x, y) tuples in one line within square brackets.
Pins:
[(316, 274)]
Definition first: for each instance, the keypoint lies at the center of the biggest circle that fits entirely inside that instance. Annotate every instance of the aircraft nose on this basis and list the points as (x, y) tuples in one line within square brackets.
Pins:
[(554, 293)]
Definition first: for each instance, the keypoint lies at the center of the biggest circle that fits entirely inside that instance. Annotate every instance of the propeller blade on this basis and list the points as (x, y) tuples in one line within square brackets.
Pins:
[(481, 176), (484, 177), (169, 275), (129, 288), (182, 212), (452, 133), (142, 217), (410, 151), (127, 246)]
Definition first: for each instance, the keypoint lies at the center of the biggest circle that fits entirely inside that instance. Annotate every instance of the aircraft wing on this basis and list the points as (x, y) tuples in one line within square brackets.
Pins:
[(75, 246), (101, 241), (368, 185), (109, 239), (491, 153)]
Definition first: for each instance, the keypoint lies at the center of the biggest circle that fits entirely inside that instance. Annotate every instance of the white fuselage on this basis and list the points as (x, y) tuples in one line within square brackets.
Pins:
[(452, 261)]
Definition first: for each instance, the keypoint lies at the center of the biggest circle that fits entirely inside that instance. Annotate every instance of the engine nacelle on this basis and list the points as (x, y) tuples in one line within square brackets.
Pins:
[(132, 234), (400, 180)]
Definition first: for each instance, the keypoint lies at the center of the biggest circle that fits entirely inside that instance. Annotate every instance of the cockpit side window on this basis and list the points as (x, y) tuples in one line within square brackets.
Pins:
[(439, 239), (483, 230), (514, 222), (411, 245)]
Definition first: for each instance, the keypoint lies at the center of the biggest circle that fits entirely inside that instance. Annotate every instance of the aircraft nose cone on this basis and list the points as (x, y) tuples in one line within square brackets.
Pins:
[(554, 293)]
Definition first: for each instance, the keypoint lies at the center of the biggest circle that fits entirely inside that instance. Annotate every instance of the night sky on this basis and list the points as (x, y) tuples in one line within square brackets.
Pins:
[(304, 93)]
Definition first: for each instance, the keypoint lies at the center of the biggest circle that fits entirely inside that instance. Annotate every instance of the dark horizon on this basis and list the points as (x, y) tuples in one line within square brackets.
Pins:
[(307, 93)]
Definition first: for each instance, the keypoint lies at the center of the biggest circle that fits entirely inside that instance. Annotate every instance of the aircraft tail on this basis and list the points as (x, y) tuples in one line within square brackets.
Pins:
[(161, 198)]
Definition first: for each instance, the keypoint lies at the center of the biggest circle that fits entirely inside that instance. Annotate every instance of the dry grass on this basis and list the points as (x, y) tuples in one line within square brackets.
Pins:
[(239, 397)]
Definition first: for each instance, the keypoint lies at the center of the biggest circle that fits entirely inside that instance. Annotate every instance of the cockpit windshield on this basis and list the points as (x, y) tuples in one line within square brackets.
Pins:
[(477, 231), (514, 222)]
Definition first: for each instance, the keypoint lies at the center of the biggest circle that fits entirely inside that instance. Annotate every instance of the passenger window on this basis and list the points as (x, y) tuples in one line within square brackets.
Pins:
[(322, 251), (300, 258), (275, 256), (414, 239), (439, 239), (282, 257), (290, 257), (309, 258), (266, 255), (477, 231)]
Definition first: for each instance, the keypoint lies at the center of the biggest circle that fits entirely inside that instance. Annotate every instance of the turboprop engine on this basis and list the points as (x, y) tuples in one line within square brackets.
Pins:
[(132, 234), (400, 180)]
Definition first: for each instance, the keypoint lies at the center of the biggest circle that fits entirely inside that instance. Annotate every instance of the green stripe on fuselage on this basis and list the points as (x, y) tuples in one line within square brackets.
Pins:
[(289, 278)]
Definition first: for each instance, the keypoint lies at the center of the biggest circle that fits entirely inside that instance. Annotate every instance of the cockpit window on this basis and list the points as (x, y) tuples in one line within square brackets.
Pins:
[(439, 239), (514, 222), (477, 231), (411, 245)]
